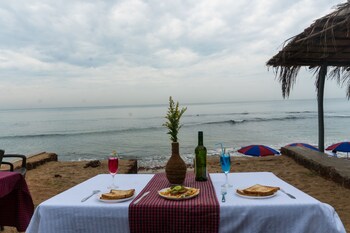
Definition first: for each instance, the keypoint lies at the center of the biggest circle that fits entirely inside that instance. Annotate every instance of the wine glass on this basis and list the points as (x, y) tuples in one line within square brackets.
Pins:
[(113, 162), (225, 162)]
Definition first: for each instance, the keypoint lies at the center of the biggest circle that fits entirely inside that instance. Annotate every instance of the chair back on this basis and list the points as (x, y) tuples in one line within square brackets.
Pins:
[(2, 152), (22, 169)]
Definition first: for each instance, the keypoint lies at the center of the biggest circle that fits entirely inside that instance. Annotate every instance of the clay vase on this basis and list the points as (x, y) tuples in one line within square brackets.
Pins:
[(175, 168)]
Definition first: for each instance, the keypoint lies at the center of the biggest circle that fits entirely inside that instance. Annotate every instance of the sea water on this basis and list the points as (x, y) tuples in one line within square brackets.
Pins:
[(85, 133)]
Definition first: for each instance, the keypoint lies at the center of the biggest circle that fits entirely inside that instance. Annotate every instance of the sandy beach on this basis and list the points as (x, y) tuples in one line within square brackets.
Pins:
[(52, 178)]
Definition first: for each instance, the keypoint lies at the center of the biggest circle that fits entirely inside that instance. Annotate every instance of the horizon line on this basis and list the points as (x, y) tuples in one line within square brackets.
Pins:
[(155, 104)]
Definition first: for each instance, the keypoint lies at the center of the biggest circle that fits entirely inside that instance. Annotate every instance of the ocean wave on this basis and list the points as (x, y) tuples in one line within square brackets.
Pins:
[(262, 119), (223, 122), (156, 128), (97, 132), (338, 116), (249, 113), (218, 114), (258, 119), (298, 112)]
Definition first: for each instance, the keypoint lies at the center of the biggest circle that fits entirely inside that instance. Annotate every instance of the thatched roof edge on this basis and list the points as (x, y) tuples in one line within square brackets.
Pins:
[(287, 62)]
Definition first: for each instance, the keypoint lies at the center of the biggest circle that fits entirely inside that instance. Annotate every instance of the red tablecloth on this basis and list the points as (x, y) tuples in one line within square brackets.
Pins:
[(16, 204), (156, 214)]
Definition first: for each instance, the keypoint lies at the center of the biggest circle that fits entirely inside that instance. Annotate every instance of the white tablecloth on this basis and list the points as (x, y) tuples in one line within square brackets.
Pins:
[(66, 213), (277, 214)]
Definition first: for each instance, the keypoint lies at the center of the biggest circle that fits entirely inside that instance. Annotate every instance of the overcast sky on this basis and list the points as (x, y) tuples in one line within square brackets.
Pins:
[(87, 53)]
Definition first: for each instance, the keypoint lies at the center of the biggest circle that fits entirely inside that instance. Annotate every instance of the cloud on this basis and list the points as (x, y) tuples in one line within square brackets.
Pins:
[(112, 48)]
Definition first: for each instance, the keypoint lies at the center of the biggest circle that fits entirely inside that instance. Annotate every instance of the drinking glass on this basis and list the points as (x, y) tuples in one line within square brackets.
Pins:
[(113, 169), (225, 162)]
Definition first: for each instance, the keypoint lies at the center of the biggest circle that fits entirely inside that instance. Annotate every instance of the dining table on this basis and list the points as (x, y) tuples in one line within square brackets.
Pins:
[(16, 204), (296, 212)]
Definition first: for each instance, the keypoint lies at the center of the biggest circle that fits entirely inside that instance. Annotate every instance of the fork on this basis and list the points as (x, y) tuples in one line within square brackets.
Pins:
[(93, 193), (223, 193)]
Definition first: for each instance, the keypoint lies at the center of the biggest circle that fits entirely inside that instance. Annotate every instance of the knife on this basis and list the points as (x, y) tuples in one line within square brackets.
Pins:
[(143, 195), (288, 194)]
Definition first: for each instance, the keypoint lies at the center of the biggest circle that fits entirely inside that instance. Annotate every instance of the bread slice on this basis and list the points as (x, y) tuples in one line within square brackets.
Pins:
[(258, 190), (118, 194)]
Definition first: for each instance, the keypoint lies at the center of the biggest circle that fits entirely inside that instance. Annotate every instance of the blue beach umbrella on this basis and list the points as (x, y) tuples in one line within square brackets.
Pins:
[(258, 150), (303, 145), (340, 146)]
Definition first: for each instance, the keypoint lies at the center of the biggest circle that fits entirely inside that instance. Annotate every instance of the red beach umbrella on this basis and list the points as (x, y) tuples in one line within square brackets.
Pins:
[(303, 145), (258, 150)]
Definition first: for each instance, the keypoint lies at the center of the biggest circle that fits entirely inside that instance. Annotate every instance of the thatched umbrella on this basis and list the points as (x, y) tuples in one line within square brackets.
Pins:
[(324, 46)]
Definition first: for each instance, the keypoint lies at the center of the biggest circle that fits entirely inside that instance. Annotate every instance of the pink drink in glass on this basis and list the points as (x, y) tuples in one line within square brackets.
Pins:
[(113, 168), (113, 165)]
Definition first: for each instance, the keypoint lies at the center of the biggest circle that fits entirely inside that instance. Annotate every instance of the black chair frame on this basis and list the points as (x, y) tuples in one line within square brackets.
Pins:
[(22, 169)]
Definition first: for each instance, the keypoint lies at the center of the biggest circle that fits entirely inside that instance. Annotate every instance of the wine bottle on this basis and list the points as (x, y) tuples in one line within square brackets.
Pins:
[(201, 159)]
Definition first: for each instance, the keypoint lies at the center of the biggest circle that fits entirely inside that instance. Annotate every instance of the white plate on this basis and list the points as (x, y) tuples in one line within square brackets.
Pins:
[(177, 198), (114, 201), (256, 197)]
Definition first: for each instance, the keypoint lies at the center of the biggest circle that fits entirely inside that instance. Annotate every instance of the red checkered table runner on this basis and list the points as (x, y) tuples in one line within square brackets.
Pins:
[(16, 203), (156, 214)]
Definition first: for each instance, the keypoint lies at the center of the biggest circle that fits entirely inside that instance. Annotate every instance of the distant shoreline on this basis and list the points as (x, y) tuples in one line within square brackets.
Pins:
[(165, 104)]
